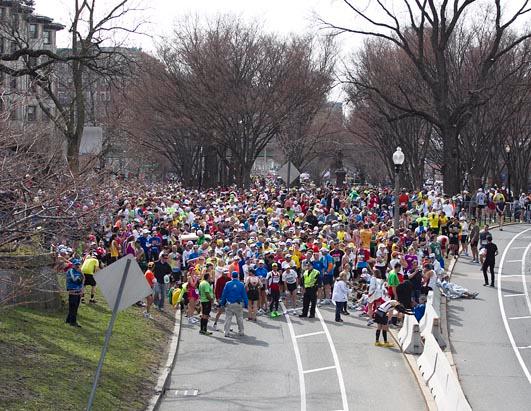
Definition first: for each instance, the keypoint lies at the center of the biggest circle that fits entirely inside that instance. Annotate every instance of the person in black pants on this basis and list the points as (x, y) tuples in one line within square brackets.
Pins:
[(311, 281), (489, 261)]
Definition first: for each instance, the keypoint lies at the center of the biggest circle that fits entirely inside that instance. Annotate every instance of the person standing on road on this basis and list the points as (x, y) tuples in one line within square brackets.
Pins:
[(340, 295), (474, 240), (234, 298), (382, 318), (206, 296), (274, 279), (310, 279), (252, 285), (483, 242), (219, 287), (499, 200), (74, 286), (489, 261)]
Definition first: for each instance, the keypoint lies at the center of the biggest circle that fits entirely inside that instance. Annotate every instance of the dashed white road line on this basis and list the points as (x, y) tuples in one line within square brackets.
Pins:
[(520, 318), (514, 295), (514, 261), (336, 361), (502, 308), (309, 334), (302, 385), (320, 369)]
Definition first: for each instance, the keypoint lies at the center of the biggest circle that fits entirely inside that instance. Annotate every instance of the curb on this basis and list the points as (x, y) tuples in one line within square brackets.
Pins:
[(165, 371)]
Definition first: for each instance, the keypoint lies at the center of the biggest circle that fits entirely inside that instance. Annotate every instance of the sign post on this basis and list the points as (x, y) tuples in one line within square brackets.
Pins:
[(122, 284)]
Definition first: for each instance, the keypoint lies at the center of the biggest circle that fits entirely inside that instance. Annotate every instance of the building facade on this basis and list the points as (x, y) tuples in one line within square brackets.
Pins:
[(21, 28)]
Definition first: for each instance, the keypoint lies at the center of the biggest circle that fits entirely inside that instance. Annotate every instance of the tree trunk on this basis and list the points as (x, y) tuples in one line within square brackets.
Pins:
[(450, 166), (73, 142)]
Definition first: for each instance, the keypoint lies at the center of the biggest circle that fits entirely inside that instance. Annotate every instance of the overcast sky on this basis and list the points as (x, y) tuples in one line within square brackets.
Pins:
[(283, 16)]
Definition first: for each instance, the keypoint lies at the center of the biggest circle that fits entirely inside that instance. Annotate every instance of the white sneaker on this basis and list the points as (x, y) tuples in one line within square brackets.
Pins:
[(215, 327)]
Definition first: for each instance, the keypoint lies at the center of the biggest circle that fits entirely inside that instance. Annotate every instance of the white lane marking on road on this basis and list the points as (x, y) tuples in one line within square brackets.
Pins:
[(502, 308), (513, 261), (510, 275), (302, 385), (520, 318), (320, 369), (514, 295), (519, 248), (309, 334), (336, 361), (524, 283), (524, 348)]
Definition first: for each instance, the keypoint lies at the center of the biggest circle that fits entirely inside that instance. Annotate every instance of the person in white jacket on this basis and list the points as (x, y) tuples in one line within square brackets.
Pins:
[(340, 295)]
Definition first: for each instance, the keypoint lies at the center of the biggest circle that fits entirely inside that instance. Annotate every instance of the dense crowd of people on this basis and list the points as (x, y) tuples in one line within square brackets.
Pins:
[(266, 246)]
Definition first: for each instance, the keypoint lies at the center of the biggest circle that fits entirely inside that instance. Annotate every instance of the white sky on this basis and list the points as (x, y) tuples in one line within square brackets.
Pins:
[(282, 16)]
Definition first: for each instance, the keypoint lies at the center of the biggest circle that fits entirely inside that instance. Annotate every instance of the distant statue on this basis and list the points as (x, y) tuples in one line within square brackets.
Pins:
[(339, 170)]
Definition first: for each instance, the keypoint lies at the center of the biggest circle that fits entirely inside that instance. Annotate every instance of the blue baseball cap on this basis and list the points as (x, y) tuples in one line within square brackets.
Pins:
[(235, 274)]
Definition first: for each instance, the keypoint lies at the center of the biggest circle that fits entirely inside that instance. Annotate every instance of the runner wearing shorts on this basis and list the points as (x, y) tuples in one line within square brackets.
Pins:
[(290, 278), (252, 286)]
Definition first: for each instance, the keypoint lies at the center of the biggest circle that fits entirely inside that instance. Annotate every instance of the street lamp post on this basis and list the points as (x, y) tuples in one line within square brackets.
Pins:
[(508, 151), (398, 160)]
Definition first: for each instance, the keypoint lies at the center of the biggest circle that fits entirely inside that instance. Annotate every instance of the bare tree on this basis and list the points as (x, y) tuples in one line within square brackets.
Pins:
[(238, 85), (431, 30), (92, 49)]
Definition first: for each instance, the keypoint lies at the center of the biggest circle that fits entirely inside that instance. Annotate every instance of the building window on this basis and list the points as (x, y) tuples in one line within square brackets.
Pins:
[(3, 13), (31, 113), (2, 45), (33, 31), (14, 83), (47, 37), (13, 115)]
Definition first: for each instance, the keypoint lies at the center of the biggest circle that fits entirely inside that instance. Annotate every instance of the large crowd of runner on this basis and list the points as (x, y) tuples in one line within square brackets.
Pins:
[(280, 244)]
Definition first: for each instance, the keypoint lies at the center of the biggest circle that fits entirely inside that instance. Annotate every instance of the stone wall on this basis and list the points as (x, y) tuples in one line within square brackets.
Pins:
[(29, 281)]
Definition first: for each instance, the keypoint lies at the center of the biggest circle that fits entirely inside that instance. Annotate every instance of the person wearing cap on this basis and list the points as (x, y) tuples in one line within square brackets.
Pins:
[(290, 279), (89, 268), (311, 281), (261, 273), (328, 264), (273, 287), (74, 287), (234, 299)]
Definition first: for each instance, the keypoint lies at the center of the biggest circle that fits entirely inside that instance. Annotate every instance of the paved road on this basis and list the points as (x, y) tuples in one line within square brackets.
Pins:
[(291, 364), (491, 336)]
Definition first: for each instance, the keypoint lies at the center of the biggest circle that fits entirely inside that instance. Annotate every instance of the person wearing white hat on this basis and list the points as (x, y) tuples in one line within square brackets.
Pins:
[(290, 279)]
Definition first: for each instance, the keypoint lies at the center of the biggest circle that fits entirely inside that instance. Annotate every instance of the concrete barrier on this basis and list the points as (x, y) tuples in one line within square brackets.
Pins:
[(436, 301), (430, 324), (409, 336), (440, 378)]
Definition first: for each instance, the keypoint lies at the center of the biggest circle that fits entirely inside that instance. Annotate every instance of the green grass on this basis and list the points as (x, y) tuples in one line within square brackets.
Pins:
[(46, 364)]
